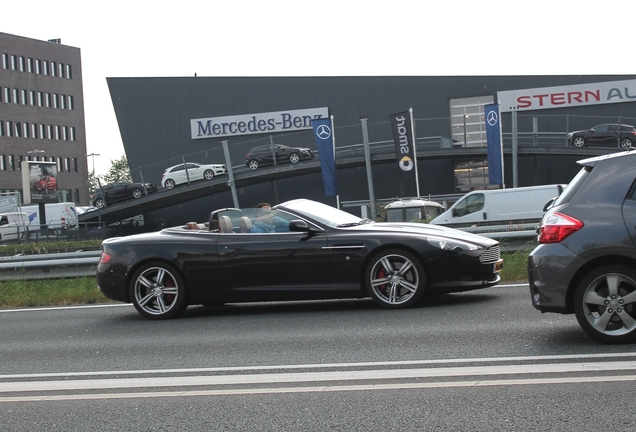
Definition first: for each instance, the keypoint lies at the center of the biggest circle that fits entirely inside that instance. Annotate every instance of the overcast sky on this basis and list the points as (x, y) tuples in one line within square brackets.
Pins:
[(138, 38)]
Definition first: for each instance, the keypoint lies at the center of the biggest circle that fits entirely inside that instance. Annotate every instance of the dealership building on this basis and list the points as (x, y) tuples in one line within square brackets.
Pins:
[(168, 121)]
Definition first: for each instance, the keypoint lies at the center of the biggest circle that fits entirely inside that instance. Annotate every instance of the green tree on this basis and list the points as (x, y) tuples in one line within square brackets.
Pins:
[(119, 171)]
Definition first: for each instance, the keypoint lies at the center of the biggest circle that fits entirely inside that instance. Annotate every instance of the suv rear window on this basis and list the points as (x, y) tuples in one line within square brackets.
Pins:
[(573, 186)]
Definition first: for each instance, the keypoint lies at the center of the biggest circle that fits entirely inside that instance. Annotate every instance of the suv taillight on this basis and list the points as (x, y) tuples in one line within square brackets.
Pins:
[(557, 227)]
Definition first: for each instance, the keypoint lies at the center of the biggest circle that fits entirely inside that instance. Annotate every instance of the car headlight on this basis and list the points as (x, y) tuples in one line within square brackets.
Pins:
[(451, 244)]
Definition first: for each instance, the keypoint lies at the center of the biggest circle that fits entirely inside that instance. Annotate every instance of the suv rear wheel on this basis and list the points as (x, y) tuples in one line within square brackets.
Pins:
[(605, 304)]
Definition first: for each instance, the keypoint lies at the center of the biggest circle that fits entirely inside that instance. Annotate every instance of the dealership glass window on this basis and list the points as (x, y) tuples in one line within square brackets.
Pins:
[(472, 174), (467, 121)]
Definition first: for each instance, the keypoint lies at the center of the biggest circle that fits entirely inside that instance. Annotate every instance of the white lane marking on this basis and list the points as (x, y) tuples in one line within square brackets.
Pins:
[(318, 389), (300, 377), (321, 366), (38, 309)]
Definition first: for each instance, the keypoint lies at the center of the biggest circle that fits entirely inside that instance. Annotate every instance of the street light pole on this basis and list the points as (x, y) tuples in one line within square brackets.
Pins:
[(92, 155)]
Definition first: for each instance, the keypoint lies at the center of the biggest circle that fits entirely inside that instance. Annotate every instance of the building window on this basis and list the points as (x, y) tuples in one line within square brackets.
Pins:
[(53, 69), (11, 163), (68, 71), (3, 163), (42, 132), (60, 166), (16, 98), (5, 61), (472, 174), (49, 131), (55, 101), (20, 159), (9, 129), (34, 130), (65, 133), (73, 137), (75, 164), (468, 127), (23, 96), (67, 164), (1, 128), (30, 65), (31, 97), (45, 67), (70, 103), (38, 66), (62, 101), (21, 63), (13, 63), (40, 101), (47, 98), (57, 132)]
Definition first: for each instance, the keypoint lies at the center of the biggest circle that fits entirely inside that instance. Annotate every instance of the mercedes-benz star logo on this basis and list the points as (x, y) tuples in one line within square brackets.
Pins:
[(492, 118), (323, 132)]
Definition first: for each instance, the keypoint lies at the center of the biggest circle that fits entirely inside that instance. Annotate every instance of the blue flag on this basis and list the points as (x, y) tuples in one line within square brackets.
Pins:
[(495, 151), (323, 133)]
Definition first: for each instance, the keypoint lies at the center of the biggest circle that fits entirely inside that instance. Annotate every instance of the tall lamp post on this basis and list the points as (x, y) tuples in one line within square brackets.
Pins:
[(92, 155)]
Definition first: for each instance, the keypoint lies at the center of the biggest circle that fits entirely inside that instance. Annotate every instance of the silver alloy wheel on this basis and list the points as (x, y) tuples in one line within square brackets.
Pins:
[(294, 158), (579, 141), (99, 203), (253, 164), (157, 292), (169, 184), (208, 174), (605, 304), (626, 143), (137, 193), (395, 279)]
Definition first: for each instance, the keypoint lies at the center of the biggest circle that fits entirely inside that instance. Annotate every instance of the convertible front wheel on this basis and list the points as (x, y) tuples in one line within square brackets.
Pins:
[(605, 304), (158, 292), (395, 279)]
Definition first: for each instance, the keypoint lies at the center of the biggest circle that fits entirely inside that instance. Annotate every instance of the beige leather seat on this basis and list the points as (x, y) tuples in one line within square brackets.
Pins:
[(245, 224), (225, 224)]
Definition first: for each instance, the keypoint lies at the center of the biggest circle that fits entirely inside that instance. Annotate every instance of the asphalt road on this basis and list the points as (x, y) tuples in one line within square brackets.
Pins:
[(484, 360)]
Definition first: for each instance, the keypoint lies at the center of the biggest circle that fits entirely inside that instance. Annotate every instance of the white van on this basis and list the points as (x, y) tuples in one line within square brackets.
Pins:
[(58, 216), (13, 225), (524, 205), (412, 210)]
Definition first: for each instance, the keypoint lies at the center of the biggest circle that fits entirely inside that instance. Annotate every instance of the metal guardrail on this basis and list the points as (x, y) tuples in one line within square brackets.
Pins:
[(49, 266)]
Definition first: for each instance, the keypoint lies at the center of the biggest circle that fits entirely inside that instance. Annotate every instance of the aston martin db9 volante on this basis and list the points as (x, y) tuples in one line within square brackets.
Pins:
[(298, 250)]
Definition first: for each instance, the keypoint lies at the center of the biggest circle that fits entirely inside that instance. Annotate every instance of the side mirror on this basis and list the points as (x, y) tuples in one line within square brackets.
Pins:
[(298, 225)]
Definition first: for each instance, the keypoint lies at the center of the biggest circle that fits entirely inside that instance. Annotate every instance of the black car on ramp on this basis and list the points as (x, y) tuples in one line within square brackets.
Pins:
[(267, 154), (298, 250)]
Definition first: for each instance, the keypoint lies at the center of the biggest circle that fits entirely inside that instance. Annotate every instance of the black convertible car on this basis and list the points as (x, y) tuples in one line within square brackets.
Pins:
[(298, 250)]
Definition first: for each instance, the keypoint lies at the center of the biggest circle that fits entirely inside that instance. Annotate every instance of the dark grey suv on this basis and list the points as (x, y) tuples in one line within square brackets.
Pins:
[(586, 260)]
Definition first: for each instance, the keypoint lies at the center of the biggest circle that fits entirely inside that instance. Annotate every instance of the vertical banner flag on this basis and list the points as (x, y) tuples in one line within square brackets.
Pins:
[(404, 139), (323, 134), (495, 149)]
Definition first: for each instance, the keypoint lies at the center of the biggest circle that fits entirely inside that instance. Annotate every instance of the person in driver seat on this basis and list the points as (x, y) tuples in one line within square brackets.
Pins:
[(266, 221)]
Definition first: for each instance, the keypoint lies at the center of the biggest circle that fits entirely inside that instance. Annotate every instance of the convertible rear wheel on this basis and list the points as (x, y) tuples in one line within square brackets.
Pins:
[(395, 279), (605, 304), (158, 291)]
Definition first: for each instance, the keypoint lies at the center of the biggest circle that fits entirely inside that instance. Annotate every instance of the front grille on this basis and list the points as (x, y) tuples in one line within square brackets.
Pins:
[(490, 255)]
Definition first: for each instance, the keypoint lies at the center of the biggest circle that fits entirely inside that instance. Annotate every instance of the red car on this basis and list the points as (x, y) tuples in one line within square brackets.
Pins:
[(46, 184)]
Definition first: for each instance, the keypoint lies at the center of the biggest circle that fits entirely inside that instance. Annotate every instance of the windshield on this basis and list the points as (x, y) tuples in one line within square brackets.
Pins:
[(322, 213)]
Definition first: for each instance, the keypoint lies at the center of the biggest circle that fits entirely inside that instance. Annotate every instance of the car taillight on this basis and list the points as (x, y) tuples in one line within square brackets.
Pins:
[(557, 227), (105, 258)]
